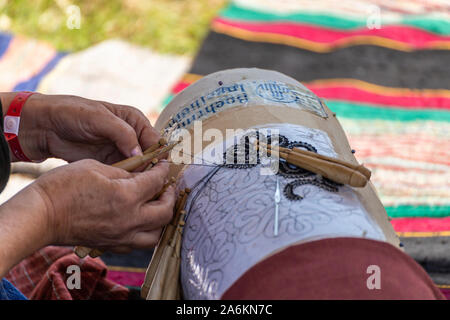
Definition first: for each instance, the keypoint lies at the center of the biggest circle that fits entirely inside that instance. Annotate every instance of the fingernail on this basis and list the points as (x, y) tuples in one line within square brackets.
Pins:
[(136, 151)]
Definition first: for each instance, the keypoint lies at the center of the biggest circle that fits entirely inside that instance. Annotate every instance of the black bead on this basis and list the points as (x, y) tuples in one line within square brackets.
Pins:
[(353, 151)]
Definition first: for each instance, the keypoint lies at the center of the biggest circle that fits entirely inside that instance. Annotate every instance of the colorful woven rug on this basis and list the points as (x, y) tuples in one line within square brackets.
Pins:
[(389, 87), (383, 66)]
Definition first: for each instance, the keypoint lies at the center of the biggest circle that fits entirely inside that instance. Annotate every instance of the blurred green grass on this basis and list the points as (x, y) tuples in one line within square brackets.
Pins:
[(168, 26)]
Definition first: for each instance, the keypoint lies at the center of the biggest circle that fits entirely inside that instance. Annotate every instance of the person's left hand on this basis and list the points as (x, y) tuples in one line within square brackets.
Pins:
[(74, 128)]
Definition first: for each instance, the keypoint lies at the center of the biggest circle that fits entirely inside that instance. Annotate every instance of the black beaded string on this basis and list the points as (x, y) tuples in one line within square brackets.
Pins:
[(245, 141), (287, 170), (322, 183)]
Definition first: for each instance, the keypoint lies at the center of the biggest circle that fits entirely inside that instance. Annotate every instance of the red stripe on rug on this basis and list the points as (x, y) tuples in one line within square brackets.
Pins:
[(180, 86), (412, 100), (413, 146), (421, 224), (355, 92), (126, 278), (416, 38), (393, 167)]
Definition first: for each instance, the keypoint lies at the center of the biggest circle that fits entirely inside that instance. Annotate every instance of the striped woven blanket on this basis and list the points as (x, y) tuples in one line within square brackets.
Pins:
[(383, 66)]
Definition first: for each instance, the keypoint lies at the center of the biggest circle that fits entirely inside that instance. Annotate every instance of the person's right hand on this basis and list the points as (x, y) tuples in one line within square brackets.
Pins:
[(92, 204)]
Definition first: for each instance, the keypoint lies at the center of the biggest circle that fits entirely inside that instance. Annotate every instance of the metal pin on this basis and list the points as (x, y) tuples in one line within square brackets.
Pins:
[(277, 199)]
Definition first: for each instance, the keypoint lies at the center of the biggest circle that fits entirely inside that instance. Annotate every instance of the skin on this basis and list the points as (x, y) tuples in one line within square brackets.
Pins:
[(86, 202)]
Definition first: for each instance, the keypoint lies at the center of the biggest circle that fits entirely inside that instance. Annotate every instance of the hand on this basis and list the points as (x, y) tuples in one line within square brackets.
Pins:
[(91, 204), (74, 128)]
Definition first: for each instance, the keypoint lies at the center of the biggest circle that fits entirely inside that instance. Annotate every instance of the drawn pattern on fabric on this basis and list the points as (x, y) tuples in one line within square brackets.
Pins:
[(230, 221)]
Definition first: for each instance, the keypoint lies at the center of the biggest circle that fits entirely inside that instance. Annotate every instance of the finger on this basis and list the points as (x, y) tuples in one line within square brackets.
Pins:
[(147, 135), (143, 240), (148, 183), (121, 133), (158, 213), (108, 171), (73, 151)]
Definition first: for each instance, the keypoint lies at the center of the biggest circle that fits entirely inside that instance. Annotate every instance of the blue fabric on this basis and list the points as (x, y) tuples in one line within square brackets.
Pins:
[(5, 40), (32, 83), (9, 292)]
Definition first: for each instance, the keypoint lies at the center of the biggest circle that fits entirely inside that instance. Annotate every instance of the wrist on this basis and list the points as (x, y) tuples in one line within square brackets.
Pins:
[(31, 135), (23, 228)]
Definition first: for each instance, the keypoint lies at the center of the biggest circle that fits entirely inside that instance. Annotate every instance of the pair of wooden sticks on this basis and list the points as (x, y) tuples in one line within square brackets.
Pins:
[(162, 277), (150, 157), (334, 169)]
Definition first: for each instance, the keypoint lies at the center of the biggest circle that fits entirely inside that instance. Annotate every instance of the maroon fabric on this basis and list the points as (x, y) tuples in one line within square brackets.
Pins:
[(335, 269), (43, 275), (446, 293)]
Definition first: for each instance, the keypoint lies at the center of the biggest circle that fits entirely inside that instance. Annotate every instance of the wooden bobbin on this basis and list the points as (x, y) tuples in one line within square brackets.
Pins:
[(171, 181), (152, 164)]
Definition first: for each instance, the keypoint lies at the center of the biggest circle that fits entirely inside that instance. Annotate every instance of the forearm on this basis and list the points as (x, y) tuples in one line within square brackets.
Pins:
[(23, 228)]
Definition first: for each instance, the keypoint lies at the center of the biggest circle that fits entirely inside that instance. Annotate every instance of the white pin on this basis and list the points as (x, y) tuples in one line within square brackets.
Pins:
[(277, 202)]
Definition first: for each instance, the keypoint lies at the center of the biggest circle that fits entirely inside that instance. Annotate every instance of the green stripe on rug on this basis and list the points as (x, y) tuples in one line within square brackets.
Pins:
[(426, 23), (409, 211), (365, 111), (166, 101), (328, 20)]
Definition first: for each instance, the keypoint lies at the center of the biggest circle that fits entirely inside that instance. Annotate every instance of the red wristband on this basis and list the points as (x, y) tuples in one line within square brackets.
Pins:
[(12, 122)]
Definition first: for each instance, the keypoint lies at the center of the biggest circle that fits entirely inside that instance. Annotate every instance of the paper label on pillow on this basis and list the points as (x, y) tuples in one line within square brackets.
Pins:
[(248, 93)]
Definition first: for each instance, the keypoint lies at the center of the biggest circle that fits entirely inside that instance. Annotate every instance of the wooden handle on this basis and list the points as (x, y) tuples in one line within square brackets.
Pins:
[(173, 279), (156, 287), (156, 259), (180, 208), (164, 188), (151, 164), (166, 238), (135, 162), (366, 172), (330, 170), (95, 253), (165, 282), (161, 142), (363, 170), (81, 251)]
